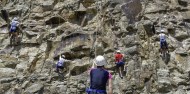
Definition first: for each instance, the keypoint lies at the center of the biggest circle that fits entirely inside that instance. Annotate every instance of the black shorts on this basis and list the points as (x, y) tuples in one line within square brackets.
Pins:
[(60, 67)]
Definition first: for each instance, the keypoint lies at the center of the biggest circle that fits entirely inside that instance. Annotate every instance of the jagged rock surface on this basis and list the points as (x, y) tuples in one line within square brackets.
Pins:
[(82, 29)]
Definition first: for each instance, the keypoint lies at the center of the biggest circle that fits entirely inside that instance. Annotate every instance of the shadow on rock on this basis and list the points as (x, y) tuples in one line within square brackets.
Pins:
[(166, 58)]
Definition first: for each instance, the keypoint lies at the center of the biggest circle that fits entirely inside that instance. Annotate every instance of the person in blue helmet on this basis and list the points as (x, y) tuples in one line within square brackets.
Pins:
[(99, 78)]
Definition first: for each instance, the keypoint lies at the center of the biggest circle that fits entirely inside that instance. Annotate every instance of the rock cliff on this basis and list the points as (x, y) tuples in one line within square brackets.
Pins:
[(83, 29)]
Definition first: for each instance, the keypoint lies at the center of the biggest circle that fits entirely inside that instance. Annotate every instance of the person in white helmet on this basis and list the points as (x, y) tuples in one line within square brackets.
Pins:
[(14, 27), (118, 58), (60, 63), (163, 43), (119, 62), (99, 78)]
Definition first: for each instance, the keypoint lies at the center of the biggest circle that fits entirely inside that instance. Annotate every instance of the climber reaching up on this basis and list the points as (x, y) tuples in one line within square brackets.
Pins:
[(118, 57), (99, 77), (163, 43), (14, 29), (119, 62), (14, 26), (60, 64)]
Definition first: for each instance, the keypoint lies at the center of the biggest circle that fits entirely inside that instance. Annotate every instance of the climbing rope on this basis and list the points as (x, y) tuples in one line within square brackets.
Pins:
[(99, 10), (46, 52)]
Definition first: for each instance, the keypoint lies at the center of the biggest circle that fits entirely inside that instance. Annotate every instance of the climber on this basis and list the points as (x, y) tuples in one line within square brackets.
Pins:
[(60, 63), (119, 62), (99, 77), (163, 43), (14, 27)]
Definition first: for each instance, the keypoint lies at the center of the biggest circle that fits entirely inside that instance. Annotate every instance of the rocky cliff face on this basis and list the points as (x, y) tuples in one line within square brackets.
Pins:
[(83, 29)]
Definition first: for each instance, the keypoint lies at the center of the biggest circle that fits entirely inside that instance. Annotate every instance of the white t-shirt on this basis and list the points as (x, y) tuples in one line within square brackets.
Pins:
[(14, 23), (61, 59), (162, 36)]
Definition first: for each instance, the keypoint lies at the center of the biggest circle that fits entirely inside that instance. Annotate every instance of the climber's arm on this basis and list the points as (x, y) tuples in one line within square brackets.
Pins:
[(110, 86), (66, 60)]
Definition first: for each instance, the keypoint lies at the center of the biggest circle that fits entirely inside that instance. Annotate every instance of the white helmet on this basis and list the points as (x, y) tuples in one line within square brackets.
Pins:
[(15, 19), (100, 61), (162, 31), (118, 51), (63, 56)]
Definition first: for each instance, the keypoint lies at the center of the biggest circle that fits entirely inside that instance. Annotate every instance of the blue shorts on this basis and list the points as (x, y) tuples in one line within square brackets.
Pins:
[(12, 30), (59, 67), (119, 64), (163, 44)]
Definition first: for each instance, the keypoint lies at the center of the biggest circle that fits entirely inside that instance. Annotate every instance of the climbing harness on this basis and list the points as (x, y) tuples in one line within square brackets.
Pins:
[(88, 90)]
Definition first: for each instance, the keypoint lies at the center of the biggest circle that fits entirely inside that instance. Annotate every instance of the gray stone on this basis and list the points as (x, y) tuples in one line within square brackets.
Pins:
[(21, 67), (181, 51), (129, 41), (181, 35), (6, 80), (81, 87), (183, 3), (2, 65), (1, 61), (152, 7), (2, 23), (4, 87), (25, 84), (77, 67), (99, 48), (47, 5), (6, 72), (35, 88), (10, 64), (179, 81), (148, 27), (73, 90), (4, 30), (62, 88), (131, 50), (54, 20), (163, 73), (81, 7), (59, 6), (31, 33), (15, 11), (180, 91), (164, 85)]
